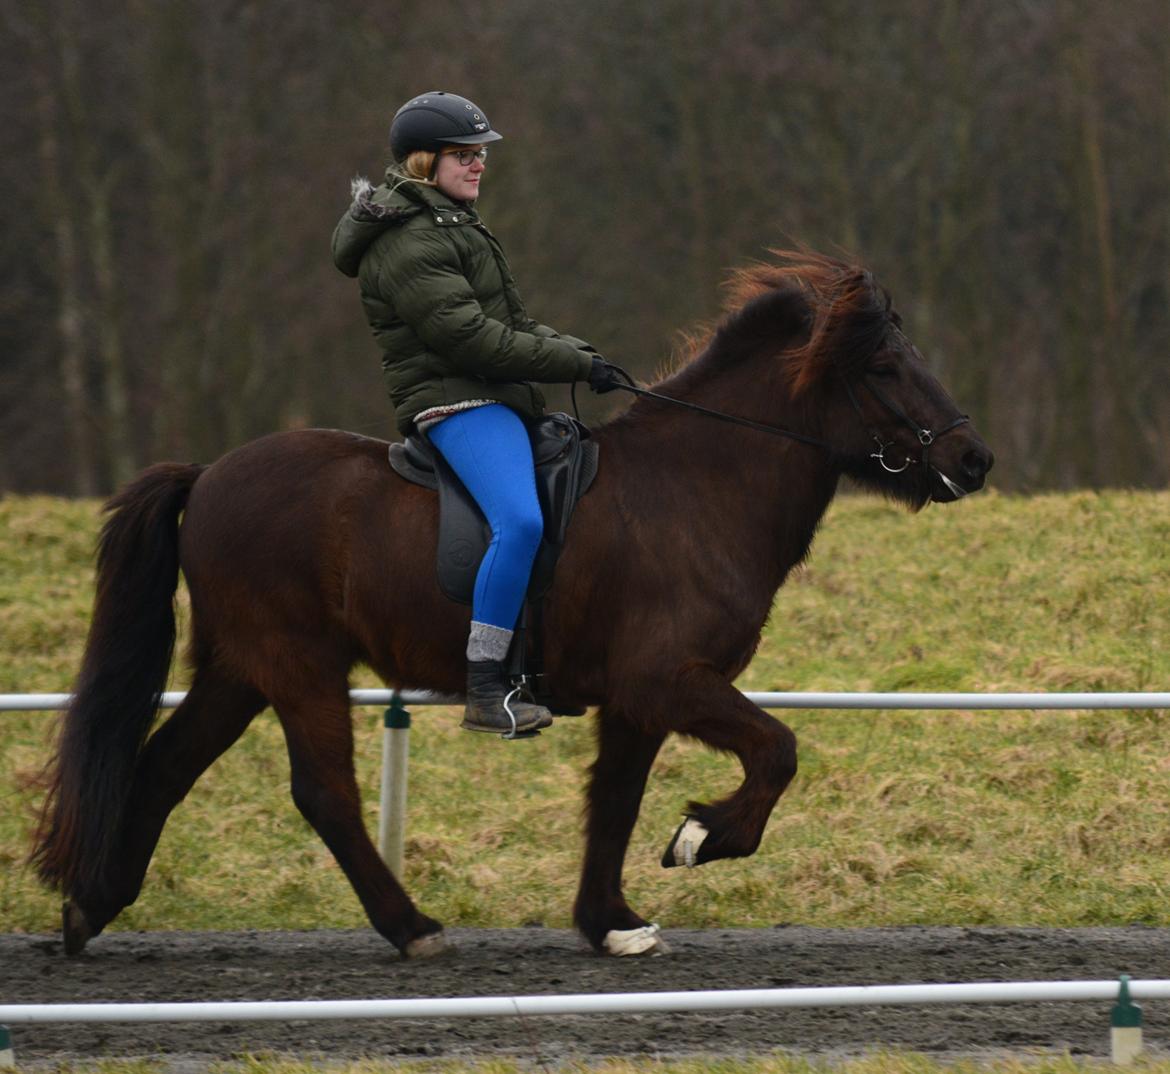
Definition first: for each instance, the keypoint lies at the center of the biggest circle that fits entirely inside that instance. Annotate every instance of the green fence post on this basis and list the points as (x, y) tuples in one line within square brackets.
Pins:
[(1126, 1027)]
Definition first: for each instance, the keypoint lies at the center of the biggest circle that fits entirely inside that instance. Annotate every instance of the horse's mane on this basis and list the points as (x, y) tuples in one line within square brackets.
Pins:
[(831, 312)]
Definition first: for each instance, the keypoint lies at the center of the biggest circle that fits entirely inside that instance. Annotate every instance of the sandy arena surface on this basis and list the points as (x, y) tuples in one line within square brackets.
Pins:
[(161, 966)]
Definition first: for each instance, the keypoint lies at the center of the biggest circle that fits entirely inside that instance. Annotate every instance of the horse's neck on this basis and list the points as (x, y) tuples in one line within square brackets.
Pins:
[(742, 491)]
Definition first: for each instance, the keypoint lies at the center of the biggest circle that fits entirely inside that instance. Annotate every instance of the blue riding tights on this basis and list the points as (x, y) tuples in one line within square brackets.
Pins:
[(488, 448)]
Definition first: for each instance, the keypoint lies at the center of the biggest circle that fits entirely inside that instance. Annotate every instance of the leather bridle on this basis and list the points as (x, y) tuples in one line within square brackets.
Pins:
[(926, 437)]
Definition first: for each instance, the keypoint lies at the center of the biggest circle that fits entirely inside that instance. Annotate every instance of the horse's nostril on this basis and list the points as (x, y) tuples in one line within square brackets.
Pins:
[(977, 463)]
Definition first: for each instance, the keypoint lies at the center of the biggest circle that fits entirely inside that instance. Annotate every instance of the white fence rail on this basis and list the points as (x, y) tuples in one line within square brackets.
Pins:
[(602, 1003), (1125, 1020), (787, 700)]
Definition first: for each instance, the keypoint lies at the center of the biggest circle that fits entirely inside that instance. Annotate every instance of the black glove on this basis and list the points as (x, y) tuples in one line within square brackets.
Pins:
[(604, 377)]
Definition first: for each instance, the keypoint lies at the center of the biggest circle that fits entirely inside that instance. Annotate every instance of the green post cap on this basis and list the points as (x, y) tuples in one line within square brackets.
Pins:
[(1126, 1014), (396, 717)]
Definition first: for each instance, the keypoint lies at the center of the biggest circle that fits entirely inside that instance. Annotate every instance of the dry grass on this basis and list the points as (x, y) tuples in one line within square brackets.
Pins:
[(895, 818), (879, 1062)]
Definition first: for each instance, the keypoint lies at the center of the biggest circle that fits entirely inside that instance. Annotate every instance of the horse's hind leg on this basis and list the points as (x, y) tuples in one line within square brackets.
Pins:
[(208, 721), (618, 780), (319, 732), (720, 716)]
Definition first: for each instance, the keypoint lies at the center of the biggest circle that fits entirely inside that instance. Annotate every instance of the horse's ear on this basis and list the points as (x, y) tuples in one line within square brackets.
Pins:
[(807, 364)]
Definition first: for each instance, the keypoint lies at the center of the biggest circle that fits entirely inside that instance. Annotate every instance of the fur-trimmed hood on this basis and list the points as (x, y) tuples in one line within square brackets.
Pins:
[(372, 210)]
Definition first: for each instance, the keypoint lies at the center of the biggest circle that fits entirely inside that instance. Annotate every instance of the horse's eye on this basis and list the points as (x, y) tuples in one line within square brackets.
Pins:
[(884, 370)]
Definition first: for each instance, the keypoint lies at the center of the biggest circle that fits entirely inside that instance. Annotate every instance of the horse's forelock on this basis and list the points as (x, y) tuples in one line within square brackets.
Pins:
[(850, 325)]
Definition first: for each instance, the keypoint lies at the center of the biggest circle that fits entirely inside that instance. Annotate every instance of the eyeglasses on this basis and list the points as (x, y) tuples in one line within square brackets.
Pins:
[(466, 156)]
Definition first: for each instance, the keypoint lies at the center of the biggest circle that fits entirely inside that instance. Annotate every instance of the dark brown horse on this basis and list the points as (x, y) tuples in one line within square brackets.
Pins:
[(305, 554)]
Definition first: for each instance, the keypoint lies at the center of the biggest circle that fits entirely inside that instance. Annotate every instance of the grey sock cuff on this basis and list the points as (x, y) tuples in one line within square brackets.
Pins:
[(488, 642)]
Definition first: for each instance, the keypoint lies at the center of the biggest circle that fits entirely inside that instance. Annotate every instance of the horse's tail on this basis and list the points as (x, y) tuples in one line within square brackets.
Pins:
[(123, 673)]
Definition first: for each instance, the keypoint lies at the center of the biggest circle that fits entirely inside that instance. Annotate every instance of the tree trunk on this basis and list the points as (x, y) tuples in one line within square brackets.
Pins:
[(71, 318), (108, 317), (1105, 351)]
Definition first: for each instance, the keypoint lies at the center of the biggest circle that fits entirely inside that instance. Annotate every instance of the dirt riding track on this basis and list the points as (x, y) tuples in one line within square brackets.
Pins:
[(343, 964)]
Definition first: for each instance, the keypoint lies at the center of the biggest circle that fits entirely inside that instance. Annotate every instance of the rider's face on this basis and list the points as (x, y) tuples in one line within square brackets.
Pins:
[(460, 181)]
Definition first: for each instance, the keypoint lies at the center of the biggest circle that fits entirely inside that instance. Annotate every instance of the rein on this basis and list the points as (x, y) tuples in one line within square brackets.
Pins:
[(925, 436), (775, 429)]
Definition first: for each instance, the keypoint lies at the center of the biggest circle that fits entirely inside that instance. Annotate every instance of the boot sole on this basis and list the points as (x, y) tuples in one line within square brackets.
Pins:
[(504, 732)]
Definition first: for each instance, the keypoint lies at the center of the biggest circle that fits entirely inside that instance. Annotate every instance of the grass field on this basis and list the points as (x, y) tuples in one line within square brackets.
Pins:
[(894, 818)]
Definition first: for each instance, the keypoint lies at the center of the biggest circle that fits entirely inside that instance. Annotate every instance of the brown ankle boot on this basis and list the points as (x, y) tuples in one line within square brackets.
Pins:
[(487, 688)]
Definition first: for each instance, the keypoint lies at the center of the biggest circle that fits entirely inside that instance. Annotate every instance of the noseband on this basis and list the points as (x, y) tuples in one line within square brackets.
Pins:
[(925, 436)]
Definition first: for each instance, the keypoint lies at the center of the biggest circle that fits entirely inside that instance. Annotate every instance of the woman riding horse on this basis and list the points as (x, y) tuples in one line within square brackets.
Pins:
[(305, 555), (459, 353)]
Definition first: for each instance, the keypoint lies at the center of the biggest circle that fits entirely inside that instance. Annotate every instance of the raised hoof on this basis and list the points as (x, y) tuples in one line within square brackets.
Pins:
[(75, 928), (684, 847), (643, 941), (433, 945)]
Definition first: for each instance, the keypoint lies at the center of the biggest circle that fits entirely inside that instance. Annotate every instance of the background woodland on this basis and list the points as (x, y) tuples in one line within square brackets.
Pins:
[(173, 171)]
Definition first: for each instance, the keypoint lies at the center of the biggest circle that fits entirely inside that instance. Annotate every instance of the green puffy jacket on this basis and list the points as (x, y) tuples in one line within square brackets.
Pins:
[(443, 305)]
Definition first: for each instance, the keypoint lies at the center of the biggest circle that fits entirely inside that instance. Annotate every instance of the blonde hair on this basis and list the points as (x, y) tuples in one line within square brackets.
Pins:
[(419, 166)]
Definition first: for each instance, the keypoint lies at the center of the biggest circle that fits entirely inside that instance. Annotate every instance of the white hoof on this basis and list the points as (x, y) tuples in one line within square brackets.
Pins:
[(687, 842), (643, 941), (430, 946)]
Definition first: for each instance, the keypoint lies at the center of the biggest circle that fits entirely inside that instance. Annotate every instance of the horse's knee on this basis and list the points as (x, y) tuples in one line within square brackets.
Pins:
[(769, 762), (780, 760)]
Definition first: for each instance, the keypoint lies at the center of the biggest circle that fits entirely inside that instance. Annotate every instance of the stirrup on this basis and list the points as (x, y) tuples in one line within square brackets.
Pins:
[(508, 698)]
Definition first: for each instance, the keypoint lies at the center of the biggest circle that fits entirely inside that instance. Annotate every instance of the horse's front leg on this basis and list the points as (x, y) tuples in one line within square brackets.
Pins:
[(617, 782), (717, 714)]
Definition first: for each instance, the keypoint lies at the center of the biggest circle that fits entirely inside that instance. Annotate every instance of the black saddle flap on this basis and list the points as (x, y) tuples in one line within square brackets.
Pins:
[(565, 455)]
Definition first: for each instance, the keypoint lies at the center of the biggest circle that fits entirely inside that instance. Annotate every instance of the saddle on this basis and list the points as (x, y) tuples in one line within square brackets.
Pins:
[(565, 455)]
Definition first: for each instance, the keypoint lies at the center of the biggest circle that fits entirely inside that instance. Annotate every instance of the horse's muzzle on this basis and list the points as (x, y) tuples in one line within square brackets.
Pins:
[(952, 479)]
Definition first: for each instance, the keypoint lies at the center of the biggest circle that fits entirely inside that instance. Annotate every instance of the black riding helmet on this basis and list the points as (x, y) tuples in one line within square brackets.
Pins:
[(437, 119)]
